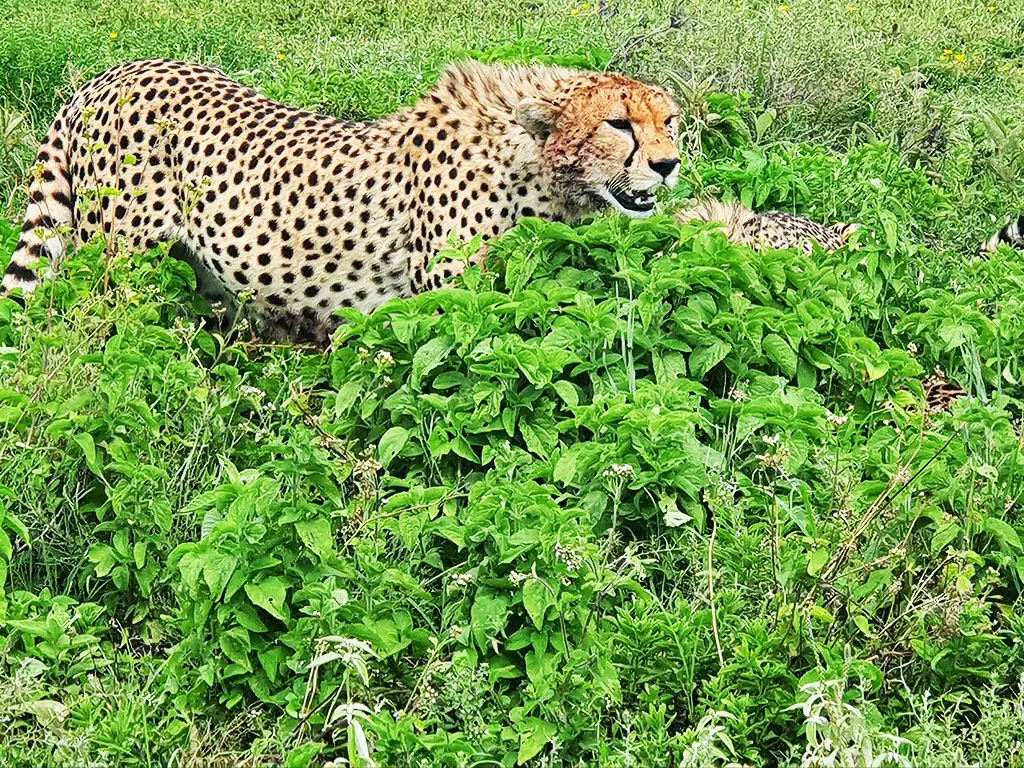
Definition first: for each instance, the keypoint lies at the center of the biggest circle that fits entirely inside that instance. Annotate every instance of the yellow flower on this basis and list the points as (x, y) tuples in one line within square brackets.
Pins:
[(851, 9), (575, 11), (281, 57), (113, 35), (585, 6), (943, 57), (960, 57), (947, 52), (991, 9), (783, 8)]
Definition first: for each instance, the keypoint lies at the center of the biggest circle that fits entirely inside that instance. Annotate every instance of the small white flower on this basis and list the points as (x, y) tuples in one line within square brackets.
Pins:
[(571, 558), (383, 359), (772, 439), (834, 419), (461, 580), (619, 470), (737, 395)]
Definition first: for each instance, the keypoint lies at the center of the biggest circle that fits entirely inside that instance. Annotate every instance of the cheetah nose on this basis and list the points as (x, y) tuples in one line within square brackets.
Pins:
[(664, 166)]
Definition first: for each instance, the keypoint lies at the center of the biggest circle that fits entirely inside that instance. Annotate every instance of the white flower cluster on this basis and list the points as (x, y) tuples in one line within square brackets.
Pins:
[(835, 419), (366, 467), (518, 578), (737, 395), (619, 471), (777, 458), (383, 359), (462, 580), (572, 559)]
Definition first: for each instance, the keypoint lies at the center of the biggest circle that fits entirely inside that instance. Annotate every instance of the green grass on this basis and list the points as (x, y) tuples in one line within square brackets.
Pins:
[(634, 497)]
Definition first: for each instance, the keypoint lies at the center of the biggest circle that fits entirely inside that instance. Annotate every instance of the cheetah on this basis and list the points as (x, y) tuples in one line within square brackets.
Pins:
[(310, 213), (772, 229), (1012, 235)]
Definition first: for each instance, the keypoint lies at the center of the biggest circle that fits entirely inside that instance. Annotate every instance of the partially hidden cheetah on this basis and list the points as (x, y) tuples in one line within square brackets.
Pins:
[(772, 229), (1012, 235), (310, 213)]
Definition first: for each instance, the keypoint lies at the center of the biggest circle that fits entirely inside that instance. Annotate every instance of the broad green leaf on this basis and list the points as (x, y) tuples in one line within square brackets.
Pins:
[(565, 468), (487, 618), (269, 594), (217, 570), (317, 535), (705, 358), (301, 757), (816, 561), (139, 553), (946, 533), (537, 735), (11, 522), (568, 392), (778, 349), (1002, 531), (862, 623), (48, 712), (536, 599), (391, 444), (674, 517), (102, 556), (346, 396), (428, 357), (85, 442), (236, 646)]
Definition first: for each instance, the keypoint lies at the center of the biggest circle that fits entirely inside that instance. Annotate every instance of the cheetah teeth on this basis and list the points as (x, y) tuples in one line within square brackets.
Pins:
[(635, 201)]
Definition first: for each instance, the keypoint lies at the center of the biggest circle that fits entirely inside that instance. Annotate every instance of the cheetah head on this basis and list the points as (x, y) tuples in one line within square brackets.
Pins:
[(608, 140)]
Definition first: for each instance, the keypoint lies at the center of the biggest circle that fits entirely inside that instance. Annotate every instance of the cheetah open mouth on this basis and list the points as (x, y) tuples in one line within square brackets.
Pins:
[(638, 204)]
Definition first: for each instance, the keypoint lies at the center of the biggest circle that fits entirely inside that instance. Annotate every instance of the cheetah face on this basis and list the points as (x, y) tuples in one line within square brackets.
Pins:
[(610, 141)]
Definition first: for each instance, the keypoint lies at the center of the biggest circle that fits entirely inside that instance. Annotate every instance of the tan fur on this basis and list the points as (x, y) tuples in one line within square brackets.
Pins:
[(311, 213), (772, 229)]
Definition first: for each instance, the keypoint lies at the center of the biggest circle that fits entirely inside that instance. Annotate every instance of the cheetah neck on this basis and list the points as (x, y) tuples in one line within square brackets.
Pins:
[(475, 105)]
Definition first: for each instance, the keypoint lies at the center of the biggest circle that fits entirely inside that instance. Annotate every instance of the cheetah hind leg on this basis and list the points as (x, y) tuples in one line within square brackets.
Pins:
[(225, 314), (231, 316)]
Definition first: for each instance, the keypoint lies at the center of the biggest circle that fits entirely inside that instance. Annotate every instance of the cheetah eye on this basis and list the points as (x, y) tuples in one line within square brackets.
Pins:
[(670, 121), (621, 125)]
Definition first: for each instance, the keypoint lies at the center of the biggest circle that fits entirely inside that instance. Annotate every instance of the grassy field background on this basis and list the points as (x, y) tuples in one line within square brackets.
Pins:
[(635, 497)]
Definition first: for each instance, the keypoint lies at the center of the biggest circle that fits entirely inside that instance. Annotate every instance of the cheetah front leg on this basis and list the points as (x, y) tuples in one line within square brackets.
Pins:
[(442, 268)]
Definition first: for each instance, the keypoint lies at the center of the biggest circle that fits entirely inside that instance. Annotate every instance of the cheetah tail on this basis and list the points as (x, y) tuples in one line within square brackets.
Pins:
[(1012, 235), (48, 217)]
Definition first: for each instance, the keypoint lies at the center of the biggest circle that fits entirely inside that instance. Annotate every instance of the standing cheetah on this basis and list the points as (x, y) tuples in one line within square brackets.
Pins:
[(772, 229), (311, 213)]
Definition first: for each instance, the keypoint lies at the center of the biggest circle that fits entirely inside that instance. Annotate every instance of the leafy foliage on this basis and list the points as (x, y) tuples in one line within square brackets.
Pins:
[(630, 495)]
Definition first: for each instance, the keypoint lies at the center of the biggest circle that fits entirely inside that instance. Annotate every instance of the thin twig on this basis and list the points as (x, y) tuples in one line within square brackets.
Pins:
[(711, 590)]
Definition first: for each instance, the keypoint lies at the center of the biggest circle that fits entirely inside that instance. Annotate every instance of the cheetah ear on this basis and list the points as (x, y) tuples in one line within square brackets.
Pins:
[(537, 117)]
